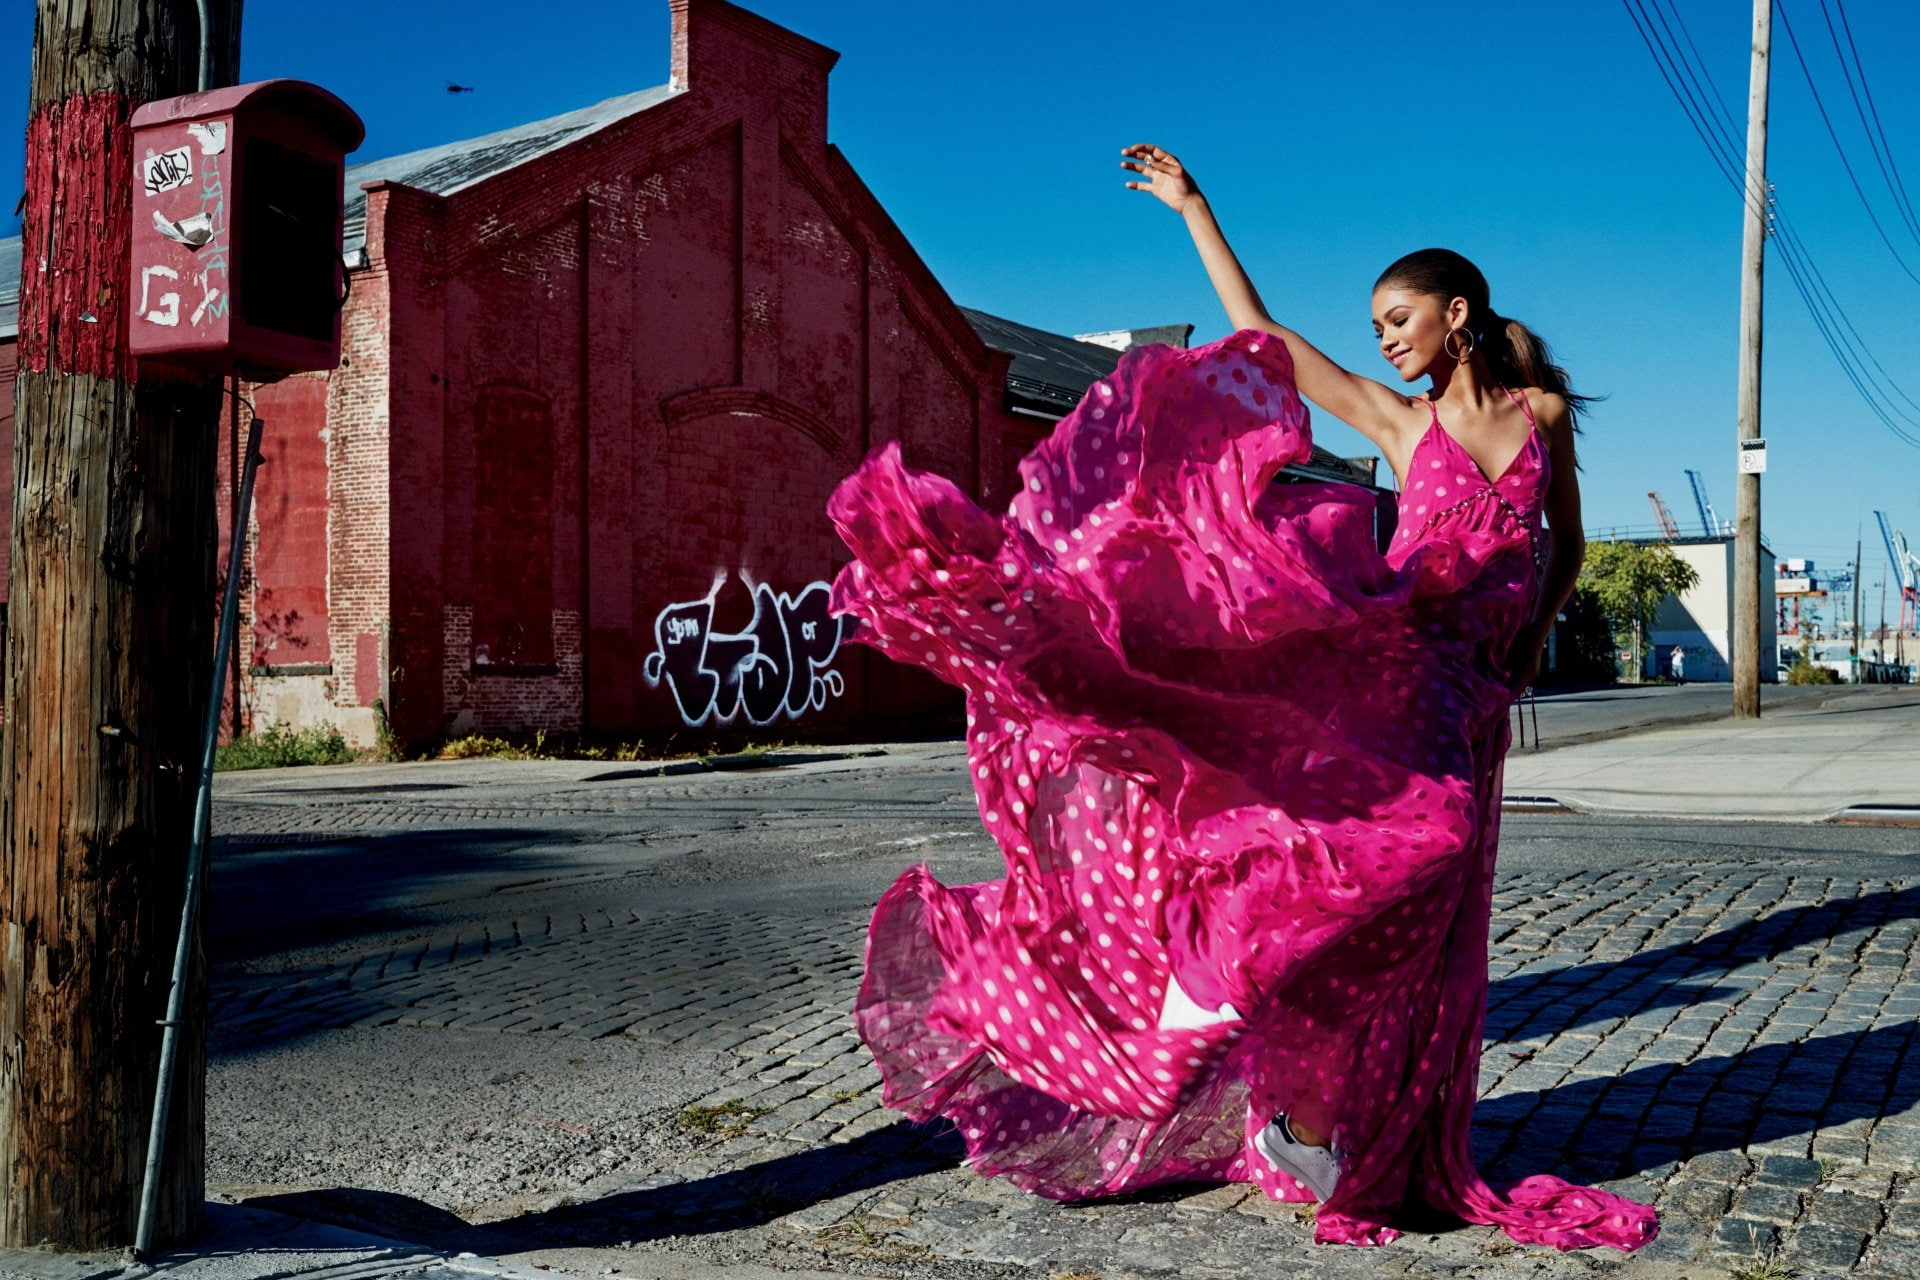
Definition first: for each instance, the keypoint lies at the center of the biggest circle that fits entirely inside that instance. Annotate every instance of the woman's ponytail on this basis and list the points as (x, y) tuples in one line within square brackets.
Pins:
[(1515, 354), (1519, 357)]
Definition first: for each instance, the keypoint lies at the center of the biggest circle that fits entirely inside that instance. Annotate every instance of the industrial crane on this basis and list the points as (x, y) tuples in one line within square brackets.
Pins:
[(1906, 571), (1667, 526), (1709, 518)]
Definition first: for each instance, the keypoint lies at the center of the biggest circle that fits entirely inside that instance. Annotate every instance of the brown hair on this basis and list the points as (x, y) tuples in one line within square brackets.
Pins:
[(1517, 355)]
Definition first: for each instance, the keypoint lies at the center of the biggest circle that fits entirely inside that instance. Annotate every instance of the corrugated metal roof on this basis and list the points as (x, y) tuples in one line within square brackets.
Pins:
[(9, 286), (1050, 372), (454, 166)]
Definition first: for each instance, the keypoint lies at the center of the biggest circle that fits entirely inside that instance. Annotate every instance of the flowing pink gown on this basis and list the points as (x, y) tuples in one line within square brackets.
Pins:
[(1221, 740)]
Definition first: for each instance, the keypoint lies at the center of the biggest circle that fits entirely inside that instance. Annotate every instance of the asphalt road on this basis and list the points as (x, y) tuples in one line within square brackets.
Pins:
[(1565, 719), (313, 865)]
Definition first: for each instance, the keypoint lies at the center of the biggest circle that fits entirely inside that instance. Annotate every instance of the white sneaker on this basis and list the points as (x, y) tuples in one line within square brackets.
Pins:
[(1314, 1167)]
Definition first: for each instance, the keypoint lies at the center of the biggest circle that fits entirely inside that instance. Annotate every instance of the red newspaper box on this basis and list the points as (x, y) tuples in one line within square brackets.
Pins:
[(236, 228)]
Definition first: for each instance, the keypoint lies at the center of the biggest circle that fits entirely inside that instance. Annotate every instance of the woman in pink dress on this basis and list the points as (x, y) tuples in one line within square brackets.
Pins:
[(1244, 768)]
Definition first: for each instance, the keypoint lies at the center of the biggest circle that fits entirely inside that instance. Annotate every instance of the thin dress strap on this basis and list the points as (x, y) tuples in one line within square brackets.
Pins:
[(1521, 400)]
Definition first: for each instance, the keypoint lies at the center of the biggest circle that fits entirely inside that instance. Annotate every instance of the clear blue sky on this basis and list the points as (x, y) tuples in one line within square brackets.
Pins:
[(1537, 138)]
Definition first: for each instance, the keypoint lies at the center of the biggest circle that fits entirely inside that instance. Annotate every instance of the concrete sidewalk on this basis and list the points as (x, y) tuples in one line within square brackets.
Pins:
[(1809, 761)]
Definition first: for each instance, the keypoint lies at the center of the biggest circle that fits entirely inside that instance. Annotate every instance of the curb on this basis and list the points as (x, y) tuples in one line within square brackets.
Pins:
[(736, 762), (1535, 804), (1877, 815), (1863, 815)]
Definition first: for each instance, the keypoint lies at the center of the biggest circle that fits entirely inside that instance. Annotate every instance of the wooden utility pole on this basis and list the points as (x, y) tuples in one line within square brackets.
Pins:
[(1753, 255), (109, 657)]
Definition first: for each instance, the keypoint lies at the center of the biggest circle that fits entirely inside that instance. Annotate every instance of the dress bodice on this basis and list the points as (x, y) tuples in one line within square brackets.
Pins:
[(1447, 492)]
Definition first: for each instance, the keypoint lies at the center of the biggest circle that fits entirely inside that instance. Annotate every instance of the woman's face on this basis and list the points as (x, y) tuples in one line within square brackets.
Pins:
[(1412, 328)]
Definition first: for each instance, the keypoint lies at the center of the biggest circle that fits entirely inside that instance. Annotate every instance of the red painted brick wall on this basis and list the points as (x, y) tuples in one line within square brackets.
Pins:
[(354, 576), (289, 527), (592, 408)]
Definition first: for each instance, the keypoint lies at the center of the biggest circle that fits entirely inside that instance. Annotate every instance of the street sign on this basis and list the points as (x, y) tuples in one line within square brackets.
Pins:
[(1753, 456)]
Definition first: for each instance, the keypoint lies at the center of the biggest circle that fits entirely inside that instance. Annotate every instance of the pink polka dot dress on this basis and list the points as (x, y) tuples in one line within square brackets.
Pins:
[(1238, 762)]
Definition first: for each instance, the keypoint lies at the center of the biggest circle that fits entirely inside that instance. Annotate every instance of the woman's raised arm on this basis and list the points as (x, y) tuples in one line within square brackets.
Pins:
[(1372, 408)]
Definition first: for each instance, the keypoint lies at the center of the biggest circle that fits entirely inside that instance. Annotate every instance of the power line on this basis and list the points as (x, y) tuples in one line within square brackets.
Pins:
[(1839, 149), (1690, 88), (1876, 133), (1663, 59)]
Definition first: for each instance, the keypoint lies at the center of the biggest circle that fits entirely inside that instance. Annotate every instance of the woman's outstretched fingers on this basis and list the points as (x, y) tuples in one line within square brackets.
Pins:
[(1161, 175)]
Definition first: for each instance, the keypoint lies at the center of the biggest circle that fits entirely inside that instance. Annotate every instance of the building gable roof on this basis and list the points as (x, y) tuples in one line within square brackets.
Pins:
[(454, 166)]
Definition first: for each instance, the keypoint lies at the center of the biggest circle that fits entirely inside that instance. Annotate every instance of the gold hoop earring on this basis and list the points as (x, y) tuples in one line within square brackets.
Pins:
[(1467, 344)]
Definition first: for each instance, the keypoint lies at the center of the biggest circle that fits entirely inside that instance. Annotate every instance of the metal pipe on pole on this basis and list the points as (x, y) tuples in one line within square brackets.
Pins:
[(1753, 252), (196, 863)]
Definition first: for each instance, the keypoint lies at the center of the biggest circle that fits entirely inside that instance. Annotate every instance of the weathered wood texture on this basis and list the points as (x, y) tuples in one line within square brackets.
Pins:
[(108, 657)]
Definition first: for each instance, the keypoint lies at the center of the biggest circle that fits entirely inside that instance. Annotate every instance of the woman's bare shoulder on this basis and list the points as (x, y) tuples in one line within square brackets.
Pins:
[(1550, 409)]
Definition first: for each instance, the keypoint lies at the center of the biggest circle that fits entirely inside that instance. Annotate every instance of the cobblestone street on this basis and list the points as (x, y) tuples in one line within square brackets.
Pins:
[(1719, 1019)]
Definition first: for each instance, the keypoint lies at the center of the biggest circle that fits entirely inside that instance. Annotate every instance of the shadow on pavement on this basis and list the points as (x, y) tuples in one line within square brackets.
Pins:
[(275, 893), (1652, 1114), (1647, 1117), (1549, 1002), (732, 1201)]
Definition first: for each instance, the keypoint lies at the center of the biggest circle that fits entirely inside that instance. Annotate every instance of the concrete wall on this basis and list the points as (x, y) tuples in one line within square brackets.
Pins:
[(1701, 620)]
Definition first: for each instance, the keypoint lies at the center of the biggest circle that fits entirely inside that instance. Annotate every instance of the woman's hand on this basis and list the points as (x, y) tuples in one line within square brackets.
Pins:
[(1523, 657), (1163, 175)]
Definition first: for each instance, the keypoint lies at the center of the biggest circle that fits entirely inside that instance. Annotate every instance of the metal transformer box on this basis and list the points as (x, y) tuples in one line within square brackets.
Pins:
[(236, 228)]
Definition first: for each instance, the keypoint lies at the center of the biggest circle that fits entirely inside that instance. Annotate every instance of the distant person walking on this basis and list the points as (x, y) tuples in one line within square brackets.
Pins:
[(1244, 768), (1677, 665)]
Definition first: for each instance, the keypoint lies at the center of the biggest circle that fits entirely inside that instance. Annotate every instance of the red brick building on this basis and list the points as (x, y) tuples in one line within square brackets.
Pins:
[(600, 375)]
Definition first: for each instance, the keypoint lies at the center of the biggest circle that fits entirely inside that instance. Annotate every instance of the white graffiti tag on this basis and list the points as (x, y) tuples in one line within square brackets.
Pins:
[(779, 664), (168, 310)]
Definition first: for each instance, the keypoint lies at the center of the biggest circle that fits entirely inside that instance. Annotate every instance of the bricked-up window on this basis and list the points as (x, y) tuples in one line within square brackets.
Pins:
[(290, 528), (512, 530)]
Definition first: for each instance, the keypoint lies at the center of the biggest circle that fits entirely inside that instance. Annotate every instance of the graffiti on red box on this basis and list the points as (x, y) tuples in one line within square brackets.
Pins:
[(169, 169), (779, 664)]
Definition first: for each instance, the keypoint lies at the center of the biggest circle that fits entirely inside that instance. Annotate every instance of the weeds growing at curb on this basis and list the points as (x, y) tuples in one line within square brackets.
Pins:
[(1768, 1269), (728, 1119), (386, 748), (545, 746), (280, 744)]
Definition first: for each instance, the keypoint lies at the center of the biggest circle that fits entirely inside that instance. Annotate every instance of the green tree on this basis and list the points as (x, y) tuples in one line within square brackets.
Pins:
[(1628, 580)]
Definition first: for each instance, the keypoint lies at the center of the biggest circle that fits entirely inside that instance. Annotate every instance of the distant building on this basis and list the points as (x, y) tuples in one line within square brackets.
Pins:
[(601, 373), (1807, 628), (1700, 621)]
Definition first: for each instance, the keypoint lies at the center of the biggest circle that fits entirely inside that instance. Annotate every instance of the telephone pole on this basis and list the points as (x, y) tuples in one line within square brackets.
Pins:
[(110, 657), (1753, 254)]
